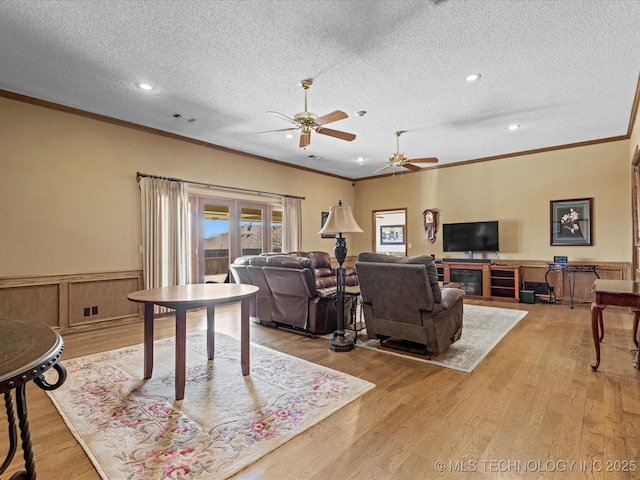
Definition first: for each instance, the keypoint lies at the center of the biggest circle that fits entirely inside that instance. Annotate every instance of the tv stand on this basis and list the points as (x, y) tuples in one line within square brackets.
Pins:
[(498, 282)]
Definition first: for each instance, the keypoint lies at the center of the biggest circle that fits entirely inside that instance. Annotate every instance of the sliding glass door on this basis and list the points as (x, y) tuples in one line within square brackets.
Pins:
[(251, 232), (276, 230), (225, 229), (216, 242)]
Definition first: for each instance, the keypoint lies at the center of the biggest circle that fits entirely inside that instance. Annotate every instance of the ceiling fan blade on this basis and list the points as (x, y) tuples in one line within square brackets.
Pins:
[(331, 117), (383, 168), (274, 131), (305, 139), (336, 133), (413, 168), (283, 117), (423, 160)]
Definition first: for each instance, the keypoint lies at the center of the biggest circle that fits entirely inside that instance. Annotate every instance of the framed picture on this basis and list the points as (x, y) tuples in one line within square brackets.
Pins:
[(325, 215), (571, 222), (392, 235)]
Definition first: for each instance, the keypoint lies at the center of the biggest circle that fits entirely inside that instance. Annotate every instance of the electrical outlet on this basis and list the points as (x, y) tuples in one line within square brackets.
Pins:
[(94, 310), (87, 311)]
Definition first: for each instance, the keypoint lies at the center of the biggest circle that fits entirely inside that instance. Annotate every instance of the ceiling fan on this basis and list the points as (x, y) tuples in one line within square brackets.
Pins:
[(307, 121), (399, 159)]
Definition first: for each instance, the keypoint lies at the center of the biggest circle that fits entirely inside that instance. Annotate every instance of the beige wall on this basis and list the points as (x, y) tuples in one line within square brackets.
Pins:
[(515, 191), (69, 201)]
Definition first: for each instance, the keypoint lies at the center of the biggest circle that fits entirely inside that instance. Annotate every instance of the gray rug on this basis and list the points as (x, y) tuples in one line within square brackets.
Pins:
[(483, 328)]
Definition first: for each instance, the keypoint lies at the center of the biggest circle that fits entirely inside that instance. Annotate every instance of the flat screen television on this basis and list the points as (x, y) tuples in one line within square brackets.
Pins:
[(470, 237)]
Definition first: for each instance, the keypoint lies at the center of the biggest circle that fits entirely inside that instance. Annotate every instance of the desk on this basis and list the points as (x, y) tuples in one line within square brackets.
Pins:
[(27, 350), (624, 293), (185, 297), (572, 270)]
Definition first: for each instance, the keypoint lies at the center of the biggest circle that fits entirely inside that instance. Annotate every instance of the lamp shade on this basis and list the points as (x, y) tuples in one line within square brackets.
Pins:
[(340, 220)]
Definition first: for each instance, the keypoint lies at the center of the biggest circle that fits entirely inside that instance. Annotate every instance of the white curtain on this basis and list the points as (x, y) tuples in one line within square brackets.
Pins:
[(291, 224), (165, 232)]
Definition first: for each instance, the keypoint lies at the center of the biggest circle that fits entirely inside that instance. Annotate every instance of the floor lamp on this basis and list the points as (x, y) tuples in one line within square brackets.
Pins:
[(340, 221)]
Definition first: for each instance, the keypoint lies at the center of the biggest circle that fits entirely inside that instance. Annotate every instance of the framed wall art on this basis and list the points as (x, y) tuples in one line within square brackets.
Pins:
[(392, 235), (571, 222)]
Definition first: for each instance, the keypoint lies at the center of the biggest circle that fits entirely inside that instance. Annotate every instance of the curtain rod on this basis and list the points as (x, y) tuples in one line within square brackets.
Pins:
[(140, 175)]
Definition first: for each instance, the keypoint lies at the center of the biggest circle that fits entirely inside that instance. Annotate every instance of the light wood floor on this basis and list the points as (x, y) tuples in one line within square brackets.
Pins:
[(532, 404)]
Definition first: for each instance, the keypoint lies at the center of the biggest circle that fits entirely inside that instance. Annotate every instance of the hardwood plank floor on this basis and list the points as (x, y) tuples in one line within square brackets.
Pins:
[(532, 409)]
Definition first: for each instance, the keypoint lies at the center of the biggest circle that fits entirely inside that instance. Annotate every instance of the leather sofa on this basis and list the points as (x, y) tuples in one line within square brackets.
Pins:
[(402, 300), (288, 295), (324, 271)]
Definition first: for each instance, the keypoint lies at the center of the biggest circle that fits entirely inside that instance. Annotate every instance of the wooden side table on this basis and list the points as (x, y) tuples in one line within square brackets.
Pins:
[(27, 350), (354, 325), (624, 293)]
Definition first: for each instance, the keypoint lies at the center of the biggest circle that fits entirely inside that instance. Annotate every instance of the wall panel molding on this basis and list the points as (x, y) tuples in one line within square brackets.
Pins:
[(60, 300)]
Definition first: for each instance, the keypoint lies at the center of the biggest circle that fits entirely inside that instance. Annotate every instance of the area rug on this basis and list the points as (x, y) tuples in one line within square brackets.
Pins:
[(482, 330), (133, 428)]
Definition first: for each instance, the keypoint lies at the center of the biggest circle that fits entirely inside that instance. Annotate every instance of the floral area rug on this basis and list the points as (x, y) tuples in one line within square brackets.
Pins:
[(482, 329), (133, 428)]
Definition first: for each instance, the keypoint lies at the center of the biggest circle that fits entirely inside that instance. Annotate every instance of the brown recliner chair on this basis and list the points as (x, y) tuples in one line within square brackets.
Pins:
[(401, 299)]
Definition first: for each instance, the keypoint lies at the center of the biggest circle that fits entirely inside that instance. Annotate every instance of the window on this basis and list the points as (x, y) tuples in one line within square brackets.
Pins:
[(226, 229)]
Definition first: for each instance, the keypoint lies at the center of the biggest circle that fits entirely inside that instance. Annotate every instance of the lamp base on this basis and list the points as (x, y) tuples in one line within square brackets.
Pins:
[(340, 343)]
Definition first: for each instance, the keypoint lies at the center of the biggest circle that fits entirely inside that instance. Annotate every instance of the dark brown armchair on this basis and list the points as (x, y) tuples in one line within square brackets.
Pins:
[(401, 299)]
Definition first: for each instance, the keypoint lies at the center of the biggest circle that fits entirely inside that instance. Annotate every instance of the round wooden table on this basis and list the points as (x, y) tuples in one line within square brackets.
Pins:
[(27, 350), (185, 297)]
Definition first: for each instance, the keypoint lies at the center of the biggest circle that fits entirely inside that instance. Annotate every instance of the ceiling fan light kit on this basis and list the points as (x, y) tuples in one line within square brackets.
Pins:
[(307, 121), (400, 159)]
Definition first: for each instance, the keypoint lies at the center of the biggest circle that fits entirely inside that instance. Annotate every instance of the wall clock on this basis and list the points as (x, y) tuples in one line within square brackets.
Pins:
[(430, 224)]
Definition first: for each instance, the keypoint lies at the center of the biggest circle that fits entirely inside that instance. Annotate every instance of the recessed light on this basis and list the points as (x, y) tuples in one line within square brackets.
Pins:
[(513, 127), (289, 135), (360, 159), (474, 77), (145, 86)]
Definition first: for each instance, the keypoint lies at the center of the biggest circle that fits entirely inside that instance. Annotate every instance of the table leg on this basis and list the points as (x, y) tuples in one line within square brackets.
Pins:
[(596, 318), (245, 306), (601, 324), (13, 436), (572, 286), (148, 340), (211, 320), (181, 351), (636, 314), (21, 409)]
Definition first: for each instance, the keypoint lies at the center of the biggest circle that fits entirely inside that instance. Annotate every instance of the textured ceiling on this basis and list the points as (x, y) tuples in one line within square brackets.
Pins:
[(566, 71)]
